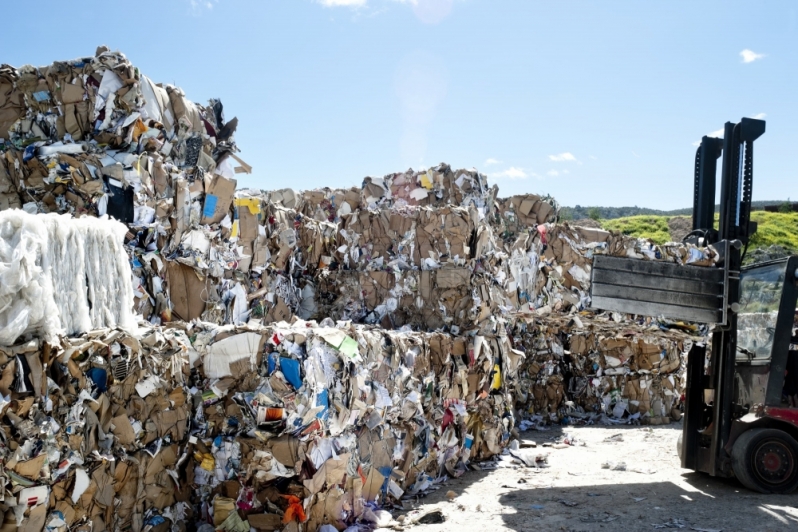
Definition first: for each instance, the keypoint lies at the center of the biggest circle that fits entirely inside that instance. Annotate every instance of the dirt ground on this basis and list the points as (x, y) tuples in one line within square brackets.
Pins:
[(576, 494)]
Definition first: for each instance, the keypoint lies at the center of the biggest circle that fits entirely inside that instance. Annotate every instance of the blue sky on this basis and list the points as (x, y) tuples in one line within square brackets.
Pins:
[(597, 103)]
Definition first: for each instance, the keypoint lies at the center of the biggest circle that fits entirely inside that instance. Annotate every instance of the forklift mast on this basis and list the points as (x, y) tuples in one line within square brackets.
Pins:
[(734, 231), (708, 295)]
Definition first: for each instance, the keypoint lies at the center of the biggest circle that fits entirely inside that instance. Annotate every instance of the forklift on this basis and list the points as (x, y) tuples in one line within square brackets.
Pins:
[(735, 422)]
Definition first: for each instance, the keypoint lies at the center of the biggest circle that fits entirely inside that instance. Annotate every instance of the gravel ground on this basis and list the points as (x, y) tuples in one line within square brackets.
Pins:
[(576, 494)]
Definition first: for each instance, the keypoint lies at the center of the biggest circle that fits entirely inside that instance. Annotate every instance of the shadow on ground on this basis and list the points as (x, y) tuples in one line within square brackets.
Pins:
[(525, 500), (713, 505)]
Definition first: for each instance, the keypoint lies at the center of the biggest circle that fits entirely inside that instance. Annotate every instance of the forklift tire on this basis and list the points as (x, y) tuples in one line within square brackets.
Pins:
[(766, 460)]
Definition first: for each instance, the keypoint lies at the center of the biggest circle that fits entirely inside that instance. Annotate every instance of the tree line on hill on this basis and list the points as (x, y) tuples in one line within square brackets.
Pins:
[(580, 212)]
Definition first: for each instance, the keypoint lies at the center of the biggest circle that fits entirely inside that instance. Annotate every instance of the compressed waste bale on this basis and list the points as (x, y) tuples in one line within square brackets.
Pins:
[(62, 275)]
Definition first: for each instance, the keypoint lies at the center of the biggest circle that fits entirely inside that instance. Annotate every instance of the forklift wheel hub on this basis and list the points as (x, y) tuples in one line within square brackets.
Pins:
[(774, 462)]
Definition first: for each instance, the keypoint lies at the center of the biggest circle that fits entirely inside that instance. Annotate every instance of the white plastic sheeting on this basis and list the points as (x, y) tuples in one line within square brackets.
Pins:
[(60, 274)]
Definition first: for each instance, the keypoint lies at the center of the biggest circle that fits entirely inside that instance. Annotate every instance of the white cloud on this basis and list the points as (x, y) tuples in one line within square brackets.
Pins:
[(719, 133), (199, 6), (750, 56), (430, 11), (553, 173), (338, 3), (562, 157), (510, 173), (491, 161), (594, 157)]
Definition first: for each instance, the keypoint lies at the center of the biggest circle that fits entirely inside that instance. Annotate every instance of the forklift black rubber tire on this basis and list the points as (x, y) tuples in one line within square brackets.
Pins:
[(766, 460)]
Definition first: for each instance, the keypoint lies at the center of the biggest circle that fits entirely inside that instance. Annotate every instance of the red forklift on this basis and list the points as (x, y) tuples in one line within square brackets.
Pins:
[(736, 422)]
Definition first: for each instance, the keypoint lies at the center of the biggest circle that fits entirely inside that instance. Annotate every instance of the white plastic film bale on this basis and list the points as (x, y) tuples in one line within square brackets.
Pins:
[(62, 275)]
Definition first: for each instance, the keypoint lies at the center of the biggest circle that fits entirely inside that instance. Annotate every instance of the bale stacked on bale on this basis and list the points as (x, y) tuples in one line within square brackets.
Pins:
[(303, 357)]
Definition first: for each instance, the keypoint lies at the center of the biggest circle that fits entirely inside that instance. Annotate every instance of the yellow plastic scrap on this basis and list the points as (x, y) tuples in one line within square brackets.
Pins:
[(426, 180), (497, 378), (253, 204), (205, 460)]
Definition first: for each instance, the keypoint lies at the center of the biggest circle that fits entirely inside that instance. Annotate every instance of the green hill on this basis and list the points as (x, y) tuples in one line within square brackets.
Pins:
[(654, 227), (775, 229), (580, 212)]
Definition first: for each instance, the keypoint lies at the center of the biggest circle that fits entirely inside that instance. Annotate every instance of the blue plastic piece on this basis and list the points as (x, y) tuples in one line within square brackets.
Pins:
[(99, 377), (290, 369), (272, 363), (323, 399), (210, 205), (30, 153)]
